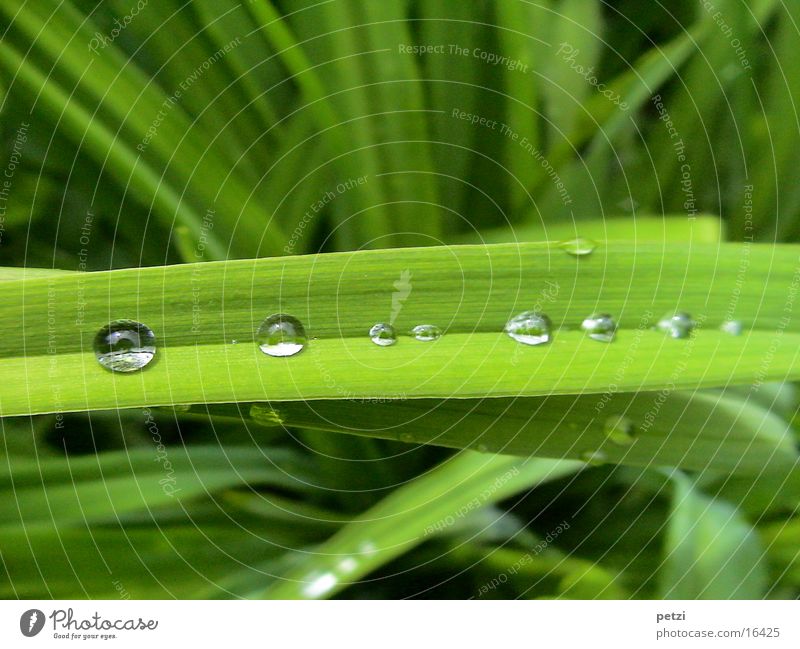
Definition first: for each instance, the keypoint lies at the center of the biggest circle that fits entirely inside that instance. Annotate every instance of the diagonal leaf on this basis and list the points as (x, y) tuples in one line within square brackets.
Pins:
[(711, 551), (403, 519)]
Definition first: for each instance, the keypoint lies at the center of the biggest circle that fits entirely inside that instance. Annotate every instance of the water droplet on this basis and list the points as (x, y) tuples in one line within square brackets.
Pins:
[(367, 547), (383, 334), (347, 564), (679, 325), (234, 342), (265, 415), (594, 458), (125, 346), (408, 438), (182, 407), (482, 448), (281, 335), (620, 430), (578, 247), (320, 585), (732, 327), (426, 332), (600, 327), (529, 328)]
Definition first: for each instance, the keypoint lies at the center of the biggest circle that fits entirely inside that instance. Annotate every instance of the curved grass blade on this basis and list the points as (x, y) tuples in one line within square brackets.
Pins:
[(711, 551), (403, 519), (60, 492), (120, 159), (125, 97)]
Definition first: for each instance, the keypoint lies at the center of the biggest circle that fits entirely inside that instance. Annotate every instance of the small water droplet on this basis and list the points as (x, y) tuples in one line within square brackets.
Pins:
[(234, 342), (367, 547), (529, 328), (124, 346), (579, 247), (265, 415), (281, 335), (408, 438), (482, 448), (679, 325), (600, 327), (383, 334), (426, 332), (347, 564), (732, 327), (594, 458), (620, 430)]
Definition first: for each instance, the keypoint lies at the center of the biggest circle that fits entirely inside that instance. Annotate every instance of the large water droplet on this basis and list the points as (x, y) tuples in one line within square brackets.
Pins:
[(600, 327), (281, 335), (530, 328), (578, 247), (125, 346), (620, 430), (732, 327), (320, 585), (679, 325), (383, 334), (426, 332)]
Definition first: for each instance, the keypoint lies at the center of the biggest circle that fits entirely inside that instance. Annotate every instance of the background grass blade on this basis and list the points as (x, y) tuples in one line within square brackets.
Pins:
[(712, 553), (402, 520), (691, 430)]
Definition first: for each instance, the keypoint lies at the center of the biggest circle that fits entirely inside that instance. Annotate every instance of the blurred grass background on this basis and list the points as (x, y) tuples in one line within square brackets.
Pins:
[(209, 130)]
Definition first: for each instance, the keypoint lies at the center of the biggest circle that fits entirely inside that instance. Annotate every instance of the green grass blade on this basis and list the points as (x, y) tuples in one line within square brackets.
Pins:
[(711, 551), (196, 310), (121, 159), (402, 520), (691, 430), (671, 228), (61, 492)]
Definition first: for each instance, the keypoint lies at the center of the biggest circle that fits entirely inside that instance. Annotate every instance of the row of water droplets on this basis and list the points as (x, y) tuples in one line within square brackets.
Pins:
[(127, 345)]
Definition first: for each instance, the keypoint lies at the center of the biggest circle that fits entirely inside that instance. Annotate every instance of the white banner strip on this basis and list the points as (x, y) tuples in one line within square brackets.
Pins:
[(404, 624)]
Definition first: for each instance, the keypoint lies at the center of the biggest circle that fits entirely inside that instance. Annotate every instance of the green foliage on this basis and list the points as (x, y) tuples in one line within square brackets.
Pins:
[(212, 163)]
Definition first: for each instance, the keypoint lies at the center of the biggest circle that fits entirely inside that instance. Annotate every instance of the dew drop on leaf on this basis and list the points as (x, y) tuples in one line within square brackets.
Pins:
[(594, 458), (620, 430), (281, 335), (600, 327), (426, 332), (578, 247), (732, 327), (124, 346), (679, 325), (383, 334), (265, 415), (530, 328)]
